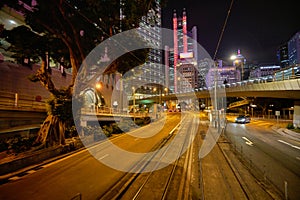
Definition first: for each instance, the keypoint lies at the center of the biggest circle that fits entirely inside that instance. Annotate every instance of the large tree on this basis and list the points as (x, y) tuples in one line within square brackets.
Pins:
[(71, 29)]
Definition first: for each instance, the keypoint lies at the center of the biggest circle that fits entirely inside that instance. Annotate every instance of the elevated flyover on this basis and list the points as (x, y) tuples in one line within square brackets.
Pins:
[(289, 89)]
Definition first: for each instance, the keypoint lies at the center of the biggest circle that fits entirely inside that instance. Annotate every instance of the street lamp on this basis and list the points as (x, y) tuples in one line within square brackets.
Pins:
[(154, 91), (233, 57), (252, 107), (238, 61), (98, 87), (133, 96)]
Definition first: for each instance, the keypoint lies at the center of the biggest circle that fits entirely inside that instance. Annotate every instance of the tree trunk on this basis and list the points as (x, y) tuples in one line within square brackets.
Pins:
[(52, 132)]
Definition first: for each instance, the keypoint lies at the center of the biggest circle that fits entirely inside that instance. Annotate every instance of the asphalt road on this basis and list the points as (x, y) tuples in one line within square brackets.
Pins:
[(91, 172), (268, 154), (83, 173)]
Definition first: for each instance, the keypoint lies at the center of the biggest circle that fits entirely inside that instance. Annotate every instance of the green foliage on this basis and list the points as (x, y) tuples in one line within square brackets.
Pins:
[(75, 27), (107, 130), (97, 131), (24, 43), (61, 105), (290, 126), (16, 144), (71, 131)]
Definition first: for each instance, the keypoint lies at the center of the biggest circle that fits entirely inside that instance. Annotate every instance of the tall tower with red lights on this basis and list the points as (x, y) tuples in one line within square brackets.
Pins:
[(185, 54), (175, 31)]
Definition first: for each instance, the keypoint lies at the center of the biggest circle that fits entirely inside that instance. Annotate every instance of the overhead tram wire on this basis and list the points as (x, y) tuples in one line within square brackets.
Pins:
[(223, 29)]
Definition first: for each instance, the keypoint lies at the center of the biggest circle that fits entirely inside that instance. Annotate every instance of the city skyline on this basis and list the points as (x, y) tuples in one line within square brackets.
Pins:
[(257, 28)]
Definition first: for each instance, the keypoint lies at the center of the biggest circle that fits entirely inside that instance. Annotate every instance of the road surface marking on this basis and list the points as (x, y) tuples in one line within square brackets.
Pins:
[(298, 158), (62, 159), (248, 142), (31, 171), (103, 156), (291, 145), (14, 178)]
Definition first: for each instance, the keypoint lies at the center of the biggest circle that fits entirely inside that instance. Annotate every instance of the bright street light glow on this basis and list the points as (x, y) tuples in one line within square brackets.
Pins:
[(98, 86), (12, 22)]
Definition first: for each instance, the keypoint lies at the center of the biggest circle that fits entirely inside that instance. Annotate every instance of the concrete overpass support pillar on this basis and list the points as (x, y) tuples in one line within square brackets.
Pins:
[(296, 119)]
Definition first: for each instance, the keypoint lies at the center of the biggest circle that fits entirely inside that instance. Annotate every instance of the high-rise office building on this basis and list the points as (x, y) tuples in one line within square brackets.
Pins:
[(294, 49), (185, 77), (283, 55), (149, 28), (239, 61)]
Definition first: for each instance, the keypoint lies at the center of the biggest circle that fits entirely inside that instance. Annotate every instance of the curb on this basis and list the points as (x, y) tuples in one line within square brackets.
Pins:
[(288, 133), (36, 159)]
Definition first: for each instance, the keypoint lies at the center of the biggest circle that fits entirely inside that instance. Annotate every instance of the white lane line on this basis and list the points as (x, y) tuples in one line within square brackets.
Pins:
[(248, 142), (291, 145), (14, 178), (298, 158), (104, 156), (62, 159)]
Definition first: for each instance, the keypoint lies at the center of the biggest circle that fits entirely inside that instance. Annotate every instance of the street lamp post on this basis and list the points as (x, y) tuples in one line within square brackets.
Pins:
[(133, 97), (98, 87), (154, 90), (217, 117)]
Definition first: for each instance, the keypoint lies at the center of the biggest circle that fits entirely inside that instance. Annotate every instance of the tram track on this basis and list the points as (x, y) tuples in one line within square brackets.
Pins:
[(156, 183)]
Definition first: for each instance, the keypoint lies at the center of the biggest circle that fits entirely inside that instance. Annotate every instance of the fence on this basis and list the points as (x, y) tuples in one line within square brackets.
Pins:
[(10, 100)]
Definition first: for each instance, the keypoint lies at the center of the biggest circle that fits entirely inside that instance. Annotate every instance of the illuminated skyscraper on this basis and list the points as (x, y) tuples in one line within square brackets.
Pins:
[(184, 55), (283, 55), (294, 49), (149, 29), (239, 62)]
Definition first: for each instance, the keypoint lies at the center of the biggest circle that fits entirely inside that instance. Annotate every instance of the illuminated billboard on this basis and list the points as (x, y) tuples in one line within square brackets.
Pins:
[(186, 55)]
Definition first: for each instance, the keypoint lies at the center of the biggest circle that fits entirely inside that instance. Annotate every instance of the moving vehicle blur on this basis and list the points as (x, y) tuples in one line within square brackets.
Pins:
[(243, 119)]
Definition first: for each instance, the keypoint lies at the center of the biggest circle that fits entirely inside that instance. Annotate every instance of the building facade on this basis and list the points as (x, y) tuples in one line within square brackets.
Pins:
[(294, 49), (239, 61), (264, 71), (185, 73), (283, 55), (223, 74), (150, 30)]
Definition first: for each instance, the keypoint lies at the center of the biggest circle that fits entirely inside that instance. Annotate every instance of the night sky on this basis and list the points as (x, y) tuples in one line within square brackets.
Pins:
[(256, 27)]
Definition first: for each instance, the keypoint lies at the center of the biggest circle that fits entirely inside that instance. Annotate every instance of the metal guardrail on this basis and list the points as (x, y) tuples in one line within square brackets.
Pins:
[(108, 111), (10, 100)]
